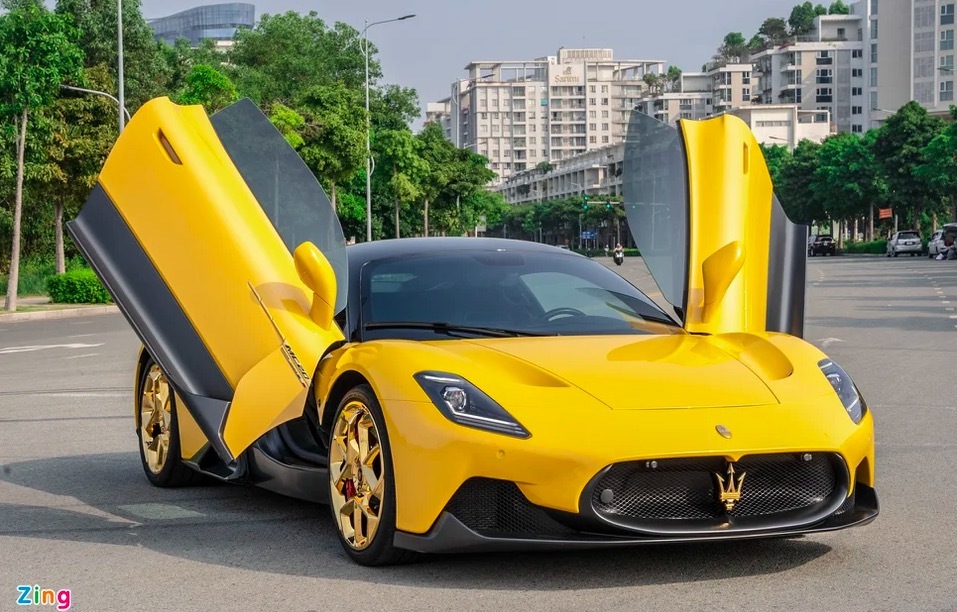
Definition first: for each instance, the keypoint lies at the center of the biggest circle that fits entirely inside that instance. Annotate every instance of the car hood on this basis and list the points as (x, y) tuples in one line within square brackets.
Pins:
[(644, 373)]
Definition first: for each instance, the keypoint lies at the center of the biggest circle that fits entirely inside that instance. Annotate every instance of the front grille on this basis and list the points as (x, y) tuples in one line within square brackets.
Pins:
[(673, 490), (497, 508)]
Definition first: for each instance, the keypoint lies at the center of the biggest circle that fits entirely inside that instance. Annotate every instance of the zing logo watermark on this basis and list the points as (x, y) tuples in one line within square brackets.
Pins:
[(35, 596)]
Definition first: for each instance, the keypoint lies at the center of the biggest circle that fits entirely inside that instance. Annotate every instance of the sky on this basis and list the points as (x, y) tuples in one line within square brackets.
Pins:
[(431, 50)]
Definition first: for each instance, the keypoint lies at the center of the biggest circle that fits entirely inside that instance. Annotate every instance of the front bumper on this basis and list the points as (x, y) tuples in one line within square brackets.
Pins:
[(542, 532)]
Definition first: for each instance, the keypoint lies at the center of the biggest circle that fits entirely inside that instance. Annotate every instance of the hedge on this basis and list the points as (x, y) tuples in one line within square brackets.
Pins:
[(77, 287), (874, 247)]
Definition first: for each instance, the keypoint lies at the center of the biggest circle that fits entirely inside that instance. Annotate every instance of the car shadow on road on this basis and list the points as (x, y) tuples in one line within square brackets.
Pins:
[(105, 499)]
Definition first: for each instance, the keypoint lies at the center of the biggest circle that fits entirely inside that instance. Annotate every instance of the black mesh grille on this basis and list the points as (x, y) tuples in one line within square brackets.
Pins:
[(685, 489), (498, 508)]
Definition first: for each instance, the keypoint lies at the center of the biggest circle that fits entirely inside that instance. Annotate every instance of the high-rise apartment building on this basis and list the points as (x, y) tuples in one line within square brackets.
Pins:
[(521, 113), (828, 69), (916, 62)]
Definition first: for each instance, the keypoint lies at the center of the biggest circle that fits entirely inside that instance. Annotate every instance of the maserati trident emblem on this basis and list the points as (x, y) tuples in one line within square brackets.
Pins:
[(729, 491), (724, 431)]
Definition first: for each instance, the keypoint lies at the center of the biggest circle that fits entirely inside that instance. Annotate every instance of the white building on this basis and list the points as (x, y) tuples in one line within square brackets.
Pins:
[(827, 70), (521, 113), (692, 100), (598, 172), (913, 43), (785, 124)]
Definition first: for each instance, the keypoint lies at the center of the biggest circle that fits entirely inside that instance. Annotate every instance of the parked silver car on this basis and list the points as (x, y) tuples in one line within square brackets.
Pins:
[(907, 242)]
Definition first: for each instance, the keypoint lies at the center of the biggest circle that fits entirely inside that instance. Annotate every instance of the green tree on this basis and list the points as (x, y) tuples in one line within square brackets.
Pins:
[(820, 9), (82, 130), (438, 154), (838, 8), (734, 45), (796, 185), (37, 55), (654, 82), (756, 43), (289, 123), (393, 107), (334, 134), (899, 148), (774, 30), (776, 157), (673, 78), (400, 162), (847, 179), (145, 69), (287, 54), (207, 86), (802, 17), (544, 167), (939, 167)]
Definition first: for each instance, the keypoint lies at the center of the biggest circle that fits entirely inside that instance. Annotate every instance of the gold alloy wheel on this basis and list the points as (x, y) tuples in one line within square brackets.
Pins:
[(155, 417), (356, 475)]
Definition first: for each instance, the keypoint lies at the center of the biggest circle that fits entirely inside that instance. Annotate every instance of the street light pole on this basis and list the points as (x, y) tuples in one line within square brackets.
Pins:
[(119, 53), (123, 112), (369, 166)]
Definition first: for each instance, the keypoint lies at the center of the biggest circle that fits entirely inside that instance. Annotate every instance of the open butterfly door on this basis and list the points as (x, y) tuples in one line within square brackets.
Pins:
[(701, 208), (192, 228)]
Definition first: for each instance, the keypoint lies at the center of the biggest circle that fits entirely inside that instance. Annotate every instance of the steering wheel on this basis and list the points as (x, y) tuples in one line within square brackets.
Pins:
[(564, 310)]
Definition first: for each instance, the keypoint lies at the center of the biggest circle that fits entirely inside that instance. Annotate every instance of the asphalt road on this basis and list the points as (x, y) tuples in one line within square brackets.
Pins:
[(77, 513)]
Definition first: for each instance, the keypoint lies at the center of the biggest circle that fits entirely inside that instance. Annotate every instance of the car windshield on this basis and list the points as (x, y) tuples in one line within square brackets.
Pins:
[(907, 235), (501, 293)]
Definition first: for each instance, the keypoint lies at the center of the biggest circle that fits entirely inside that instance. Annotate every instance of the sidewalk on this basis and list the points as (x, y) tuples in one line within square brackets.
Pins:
[(38, 308)]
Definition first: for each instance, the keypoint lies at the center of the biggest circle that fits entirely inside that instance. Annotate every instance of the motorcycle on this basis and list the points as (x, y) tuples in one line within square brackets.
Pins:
[(619, 258)]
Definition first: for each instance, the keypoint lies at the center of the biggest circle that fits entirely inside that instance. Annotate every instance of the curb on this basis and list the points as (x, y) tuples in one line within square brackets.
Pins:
[(65, 313)]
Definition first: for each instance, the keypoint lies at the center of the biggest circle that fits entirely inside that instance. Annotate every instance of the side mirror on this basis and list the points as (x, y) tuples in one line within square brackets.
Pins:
[(719, 271), (316, 273)]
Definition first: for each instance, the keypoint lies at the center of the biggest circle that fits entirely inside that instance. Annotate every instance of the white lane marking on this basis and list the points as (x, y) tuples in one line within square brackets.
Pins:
[(81, 336), (82, 356), (81, 322), (825, 342), (159, 512), (945, 301), (39, 347), (950, 309)]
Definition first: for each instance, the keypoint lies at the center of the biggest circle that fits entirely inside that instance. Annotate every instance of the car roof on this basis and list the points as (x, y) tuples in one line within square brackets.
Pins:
[(367, 251)]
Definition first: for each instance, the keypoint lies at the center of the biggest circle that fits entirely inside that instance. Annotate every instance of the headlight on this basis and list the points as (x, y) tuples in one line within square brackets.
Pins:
[(845, 389), (463, 403)]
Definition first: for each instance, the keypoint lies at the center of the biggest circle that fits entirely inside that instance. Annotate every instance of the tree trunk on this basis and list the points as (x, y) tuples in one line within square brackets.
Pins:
[(58, 238), (13, 279), (870, 222), (334, 207), (854, 229), (425, 219), (953, 207), (397, 217)]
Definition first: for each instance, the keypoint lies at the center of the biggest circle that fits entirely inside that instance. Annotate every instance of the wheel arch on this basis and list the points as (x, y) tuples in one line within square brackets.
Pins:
[(141, 360), (345, 381)]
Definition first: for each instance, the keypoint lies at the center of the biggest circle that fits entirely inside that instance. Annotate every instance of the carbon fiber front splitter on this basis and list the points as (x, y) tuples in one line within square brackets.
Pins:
[(449, 535)]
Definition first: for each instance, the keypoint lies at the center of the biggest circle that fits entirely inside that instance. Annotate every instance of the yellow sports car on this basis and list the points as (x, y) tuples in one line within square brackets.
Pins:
[(456, 394)]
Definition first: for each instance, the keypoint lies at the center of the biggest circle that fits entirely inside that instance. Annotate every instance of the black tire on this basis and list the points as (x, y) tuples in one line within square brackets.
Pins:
[(380, 551), (174, 472)]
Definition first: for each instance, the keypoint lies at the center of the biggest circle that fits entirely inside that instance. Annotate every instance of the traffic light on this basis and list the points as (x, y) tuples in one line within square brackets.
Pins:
[(607, 205), (585, 202)]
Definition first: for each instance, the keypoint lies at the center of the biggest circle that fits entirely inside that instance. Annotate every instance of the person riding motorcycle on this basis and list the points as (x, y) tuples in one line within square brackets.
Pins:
[(619, 254)]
